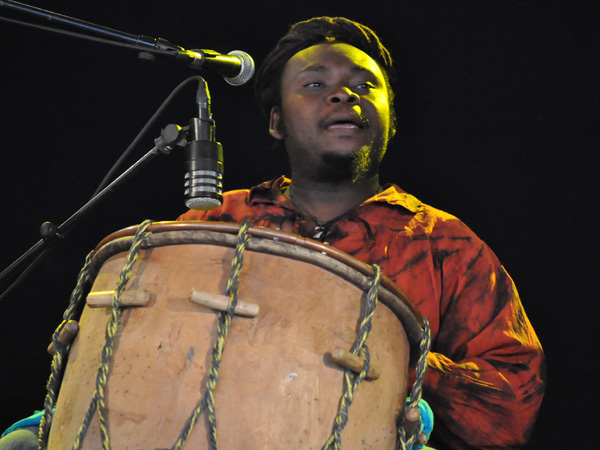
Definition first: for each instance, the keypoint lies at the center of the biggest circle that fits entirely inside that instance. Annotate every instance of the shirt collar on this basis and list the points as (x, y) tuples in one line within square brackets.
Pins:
[(393, 195), (271, 192)]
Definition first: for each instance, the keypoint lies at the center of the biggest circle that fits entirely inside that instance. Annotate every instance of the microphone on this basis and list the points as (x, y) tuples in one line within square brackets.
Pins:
[(236, 67), (204, 158)]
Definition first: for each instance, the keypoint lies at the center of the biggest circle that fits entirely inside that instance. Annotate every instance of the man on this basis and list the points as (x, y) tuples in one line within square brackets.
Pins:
[(326, 90)]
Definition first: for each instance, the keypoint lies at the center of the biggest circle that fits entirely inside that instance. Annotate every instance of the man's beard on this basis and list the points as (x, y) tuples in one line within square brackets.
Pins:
[(356, 166)]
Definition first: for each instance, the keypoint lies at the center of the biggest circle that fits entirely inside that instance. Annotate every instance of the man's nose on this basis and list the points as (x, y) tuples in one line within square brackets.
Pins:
[(341, 95)]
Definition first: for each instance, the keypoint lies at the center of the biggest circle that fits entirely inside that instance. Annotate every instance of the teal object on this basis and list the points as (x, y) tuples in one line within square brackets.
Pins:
[(30, 421), (426, 421)]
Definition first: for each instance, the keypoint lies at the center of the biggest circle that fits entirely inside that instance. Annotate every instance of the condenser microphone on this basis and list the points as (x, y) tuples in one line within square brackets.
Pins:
[(204, 158)]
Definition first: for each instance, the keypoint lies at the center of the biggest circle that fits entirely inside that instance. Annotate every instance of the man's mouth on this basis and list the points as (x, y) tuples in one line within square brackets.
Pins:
[(343, 125), (345, 122)]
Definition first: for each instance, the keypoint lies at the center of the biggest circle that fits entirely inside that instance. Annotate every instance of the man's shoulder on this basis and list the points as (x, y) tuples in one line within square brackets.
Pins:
[(446, 231), (441, 217), (423, 212), (436, 225)]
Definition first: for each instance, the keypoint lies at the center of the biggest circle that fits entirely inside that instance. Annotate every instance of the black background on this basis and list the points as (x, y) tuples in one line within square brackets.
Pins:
[(498, 110)]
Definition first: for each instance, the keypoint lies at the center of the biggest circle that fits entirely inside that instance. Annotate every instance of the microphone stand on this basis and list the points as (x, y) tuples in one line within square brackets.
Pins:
[(171, 135), (150, 46), (52, 17)]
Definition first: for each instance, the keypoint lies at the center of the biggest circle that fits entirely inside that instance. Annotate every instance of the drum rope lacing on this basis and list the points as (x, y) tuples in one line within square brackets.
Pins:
[(416, 393), (359, 346), (97, 402), (223, 325), (61, 352)]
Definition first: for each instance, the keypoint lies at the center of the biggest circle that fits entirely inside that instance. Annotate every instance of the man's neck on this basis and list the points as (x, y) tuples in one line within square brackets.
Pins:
[(328, 200)]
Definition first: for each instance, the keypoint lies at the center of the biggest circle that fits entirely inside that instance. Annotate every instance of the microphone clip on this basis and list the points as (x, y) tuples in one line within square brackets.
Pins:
[(170, 136)]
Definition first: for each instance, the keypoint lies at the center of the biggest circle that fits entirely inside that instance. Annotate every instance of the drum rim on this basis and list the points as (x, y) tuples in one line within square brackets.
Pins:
[(405, 309)]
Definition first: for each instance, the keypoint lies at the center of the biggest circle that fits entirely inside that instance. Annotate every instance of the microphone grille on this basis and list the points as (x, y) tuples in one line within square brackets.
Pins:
[(246, 70), (203, 203)]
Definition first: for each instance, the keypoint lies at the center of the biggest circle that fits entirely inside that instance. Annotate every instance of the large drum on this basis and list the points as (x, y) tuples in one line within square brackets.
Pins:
[(278, 385)]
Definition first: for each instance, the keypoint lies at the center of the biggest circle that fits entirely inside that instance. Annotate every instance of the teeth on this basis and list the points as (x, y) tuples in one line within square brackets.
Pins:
[(349, 122), (343, 125)]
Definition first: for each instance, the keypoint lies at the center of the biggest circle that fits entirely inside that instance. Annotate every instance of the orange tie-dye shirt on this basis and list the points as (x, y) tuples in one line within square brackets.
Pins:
[(486, 366)]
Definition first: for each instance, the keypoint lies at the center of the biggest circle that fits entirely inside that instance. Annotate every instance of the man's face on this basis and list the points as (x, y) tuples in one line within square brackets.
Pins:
[(335, 115)]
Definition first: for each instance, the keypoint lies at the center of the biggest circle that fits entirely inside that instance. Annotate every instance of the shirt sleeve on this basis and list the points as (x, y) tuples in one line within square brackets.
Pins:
[(485, 378)]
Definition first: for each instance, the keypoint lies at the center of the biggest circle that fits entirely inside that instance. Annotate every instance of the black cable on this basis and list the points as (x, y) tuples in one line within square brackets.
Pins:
[(24, 274), (129, 149)]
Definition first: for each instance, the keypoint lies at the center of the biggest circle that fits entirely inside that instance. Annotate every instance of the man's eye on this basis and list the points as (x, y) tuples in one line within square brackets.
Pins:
[(314, 84), (365, 85)]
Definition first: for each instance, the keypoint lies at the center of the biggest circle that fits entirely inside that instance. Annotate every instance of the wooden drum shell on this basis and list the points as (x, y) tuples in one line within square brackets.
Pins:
[(278, 387)]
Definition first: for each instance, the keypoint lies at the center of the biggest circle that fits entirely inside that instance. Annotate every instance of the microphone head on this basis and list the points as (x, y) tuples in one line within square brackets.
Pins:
[(246, 69), (203, 203), (204, 175)]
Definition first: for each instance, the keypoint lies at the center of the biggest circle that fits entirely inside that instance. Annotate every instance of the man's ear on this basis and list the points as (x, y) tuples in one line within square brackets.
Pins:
[(275, 128)]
